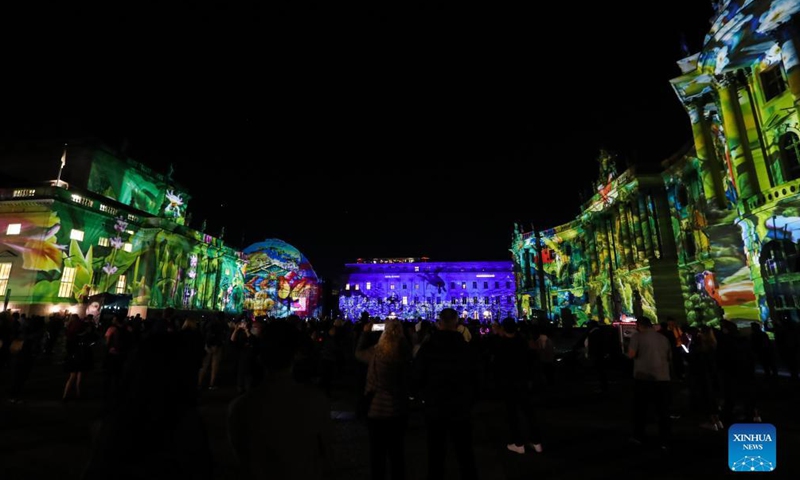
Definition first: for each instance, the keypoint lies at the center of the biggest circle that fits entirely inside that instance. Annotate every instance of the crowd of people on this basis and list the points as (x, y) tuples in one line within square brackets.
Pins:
[(155, 370)]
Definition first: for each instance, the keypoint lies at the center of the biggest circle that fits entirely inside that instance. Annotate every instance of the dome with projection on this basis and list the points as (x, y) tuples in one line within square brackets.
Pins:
[(280, 280)]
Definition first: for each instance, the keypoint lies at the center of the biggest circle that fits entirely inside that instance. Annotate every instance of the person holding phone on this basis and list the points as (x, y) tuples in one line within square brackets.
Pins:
[(387, 392)]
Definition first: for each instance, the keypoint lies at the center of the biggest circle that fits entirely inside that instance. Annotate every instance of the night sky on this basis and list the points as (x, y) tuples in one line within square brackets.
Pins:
[(406, 130)]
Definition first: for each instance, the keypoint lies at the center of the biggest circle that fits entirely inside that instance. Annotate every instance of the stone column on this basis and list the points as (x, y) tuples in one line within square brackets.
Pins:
[(644, 221), (736, 136), (787, 37), (625, 237), (591, 248), (637, 230), (713, 188)]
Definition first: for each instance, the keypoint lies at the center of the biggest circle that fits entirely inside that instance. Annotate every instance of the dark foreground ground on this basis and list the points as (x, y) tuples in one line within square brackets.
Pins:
[(586, 434)]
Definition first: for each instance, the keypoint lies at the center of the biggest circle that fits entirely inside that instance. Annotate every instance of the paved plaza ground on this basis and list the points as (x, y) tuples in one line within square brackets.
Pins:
[(586, 434)]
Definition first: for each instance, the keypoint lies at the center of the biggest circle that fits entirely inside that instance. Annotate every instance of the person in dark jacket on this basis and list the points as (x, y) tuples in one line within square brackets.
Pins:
[(513, 375), (388, 393), (446, 377), (22, 361), (80, 338), (215, 336), (597, 354)]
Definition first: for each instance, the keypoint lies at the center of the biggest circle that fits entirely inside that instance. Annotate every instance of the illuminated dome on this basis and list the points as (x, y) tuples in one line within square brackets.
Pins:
[(279, 280)]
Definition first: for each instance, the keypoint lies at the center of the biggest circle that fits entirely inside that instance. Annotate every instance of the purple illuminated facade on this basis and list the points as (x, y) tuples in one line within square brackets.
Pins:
[(410, 288)]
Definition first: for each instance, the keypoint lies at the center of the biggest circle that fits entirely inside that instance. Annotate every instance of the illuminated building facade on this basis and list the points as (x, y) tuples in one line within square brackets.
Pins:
[(743, 191), (411, 288), (280, 281), (615, 261), (114, 227), (728, 221)]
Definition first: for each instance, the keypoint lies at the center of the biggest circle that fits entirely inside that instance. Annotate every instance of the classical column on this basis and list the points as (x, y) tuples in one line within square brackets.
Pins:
[(787, 37), (591, 248), (526, 255), (644, 221), (713, 188), (613, 243), (637, 230), (753, 117), (736, 136), (632, 231), (602, 244), (624, 236)]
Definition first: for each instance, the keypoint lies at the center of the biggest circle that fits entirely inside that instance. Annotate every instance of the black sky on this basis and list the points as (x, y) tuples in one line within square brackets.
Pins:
[(399, 130)]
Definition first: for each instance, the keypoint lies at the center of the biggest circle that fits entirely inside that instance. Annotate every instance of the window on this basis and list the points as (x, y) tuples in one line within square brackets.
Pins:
[(405, 300), (391, 286), (107, 209), (14, 229), (128, 247), (475, 300), (474, 285), (103, 242), (356, 287), (347, 286), (121, 285), (405, 286), (24, 192), (76, 235), (496, 284), (369, 285), (463, 300), (508, 284), (486, 300), (5, 274), (416, 286), (67, 282), (485, 285), (416, 269), (463, 285), (772, 82), (82, 201), (452, 301), (790, 155)]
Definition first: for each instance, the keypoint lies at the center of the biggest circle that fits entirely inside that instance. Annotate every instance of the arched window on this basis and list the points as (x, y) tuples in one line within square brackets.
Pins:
[(790, 155)]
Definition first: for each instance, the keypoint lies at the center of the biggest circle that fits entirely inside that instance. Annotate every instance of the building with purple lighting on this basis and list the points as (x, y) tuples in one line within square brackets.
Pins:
[(410, 288)]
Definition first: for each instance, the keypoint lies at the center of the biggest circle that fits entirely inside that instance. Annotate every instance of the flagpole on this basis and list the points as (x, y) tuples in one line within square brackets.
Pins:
[(63, 161)]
